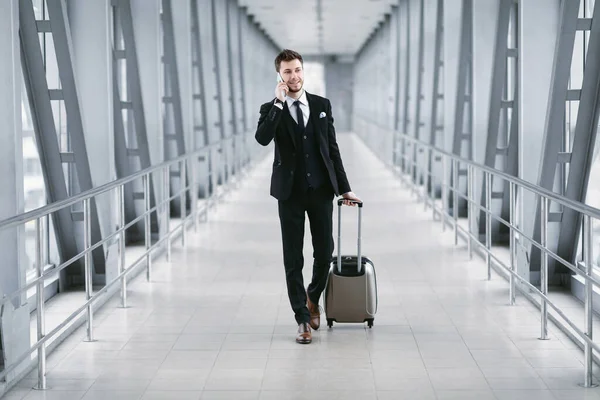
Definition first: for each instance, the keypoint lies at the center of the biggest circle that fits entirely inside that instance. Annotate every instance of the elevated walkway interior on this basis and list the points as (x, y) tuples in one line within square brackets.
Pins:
[(215, 322)]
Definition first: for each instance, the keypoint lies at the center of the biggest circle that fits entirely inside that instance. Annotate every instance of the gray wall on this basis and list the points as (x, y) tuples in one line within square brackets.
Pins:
[(339, 86)]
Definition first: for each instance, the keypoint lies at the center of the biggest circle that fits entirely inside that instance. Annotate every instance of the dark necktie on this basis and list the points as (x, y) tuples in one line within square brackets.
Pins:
[(299, 115)]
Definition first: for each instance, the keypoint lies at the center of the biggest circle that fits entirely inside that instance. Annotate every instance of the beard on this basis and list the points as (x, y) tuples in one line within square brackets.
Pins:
[(299, 89)]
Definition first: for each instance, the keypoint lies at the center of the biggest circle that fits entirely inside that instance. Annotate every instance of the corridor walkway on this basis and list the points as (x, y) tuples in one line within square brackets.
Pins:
[(216, 322)]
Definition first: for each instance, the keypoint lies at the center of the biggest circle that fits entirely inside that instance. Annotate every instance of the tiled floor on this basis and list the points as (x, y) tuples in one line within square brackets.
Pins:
[(216, 322)]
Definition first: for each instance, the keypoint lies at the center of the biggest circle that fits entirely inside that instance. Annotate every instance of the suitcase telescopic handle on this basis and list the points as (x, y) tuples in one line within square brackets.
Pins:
[(339, 255), (359, 203)]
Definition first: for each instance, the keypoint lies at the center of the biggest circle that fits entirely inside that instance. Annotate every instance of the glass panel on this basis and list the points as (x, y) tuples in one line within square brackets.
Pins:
[(34, 188), (593, 199), (314, 78)]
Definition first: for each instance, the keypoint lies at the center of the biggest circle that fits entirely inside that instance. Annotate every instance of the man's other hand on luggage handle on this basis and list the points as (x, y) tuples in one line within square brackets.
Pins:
[(350, 198)]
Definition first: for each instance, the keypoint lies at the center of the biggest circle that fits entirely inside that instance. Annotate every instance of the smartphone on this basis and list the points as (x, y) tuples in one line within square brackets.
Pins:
[(279, 79)]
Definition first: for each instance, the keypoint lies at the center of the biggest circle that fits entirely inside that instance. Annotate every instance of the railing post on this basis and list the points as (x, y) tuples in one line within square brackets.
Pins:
[(412, 169), (512, 245), (209, 181), (147, 230), (167, 202), (444, 190), (488, 223), (41, 312), (402, 161), (182, 200), (121, 267), (425, 178), (455, 198), (588, 240), (431, 179), (194, 190), (470, 196), (544, 267), (87, 238)]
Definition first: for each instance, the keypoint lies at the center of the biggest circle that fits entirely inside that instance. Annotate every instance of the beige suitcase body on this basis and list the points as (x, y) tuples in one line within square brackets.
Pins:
[(351, 291)]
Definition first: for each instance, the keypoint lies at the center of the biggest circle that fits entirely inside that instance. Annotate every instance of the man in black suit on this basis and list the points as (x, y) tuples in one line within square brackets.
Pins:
[(307, 172)]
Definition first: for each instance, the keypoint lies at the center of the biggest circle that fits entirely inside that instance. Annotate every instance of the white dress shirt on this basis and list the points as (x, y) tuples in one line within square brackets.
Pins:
[(303, 106)]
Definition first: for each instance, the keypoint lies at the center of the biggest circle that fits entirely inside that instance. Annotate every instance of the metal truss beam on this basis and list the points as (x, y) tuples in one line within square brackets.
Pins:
[(405, 111), (132, 152), (555, 118), (419, 94), (199, 93), (462, 144), (174, 143), (584, 140), (436, 124), (244, 96), (496, 146), (397, 61), (52, 157), (219, 95)]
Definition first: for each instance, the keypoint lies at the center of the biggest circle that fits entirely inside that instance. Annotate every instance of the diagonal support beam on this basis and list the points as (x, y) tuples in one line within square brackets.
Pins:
[(200, 95), (69, 241), (496, 109), (436, 123), (405, 112), (132, 151), (419, 94), (462, 143), (555, 114), (174, 143), (584, 140)]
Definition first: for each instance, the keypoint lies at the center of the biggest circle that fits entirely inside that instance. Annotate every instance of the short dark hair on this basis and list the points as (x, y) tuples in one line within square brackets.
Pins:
[(287, 55)]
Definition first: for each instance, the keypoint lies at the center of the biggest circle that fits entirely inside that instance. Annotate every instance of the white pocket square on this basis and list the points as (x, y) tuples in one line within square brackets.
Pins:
[(322, 115)]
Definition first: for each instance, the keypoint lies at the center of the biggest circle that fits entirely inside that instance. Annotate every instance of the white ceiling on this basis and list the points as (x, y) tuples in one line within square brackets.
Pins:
[(296, 24)]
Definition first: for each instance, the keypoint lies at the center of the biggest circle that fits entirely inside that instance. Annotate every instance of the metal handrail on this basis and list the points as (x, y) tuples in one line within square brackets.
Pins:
[(416, 168), (575, 205), (42, 212), (58, 205)]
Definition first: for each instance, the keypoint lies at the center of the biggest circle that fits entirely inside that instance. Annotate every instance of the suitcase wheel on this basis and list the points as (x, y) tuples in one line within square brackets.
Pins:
[(370, 323), (329, 323)]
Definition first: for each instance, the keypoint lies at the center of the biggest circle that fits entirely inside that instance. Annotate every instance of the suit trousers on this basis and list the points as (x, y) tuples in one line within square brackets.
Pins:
[(318, 205)]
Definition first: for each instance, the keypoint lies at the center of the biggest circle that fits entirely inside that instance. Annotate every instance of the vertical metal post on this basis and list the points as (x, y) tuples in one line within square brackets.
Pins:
[(470, 180), (488, 223), (588, 310), (432, 185), (182, 200), (513, 244), (41, 313), (194, 191), (121, 200), (444, 190), (455, 198), (87, 235), (167, 191), (148, 239), (544, 267), (424, 179), (208, 182)]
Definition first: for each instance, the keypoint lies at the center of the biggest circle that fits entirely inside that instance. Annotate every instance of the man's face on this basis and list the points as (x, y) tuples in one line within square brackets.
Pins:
[(292, 74)]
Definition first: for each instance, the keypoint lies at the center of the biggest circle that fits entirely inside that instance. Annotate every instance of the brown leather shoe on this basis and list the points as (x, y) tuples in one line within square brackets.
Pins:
[(304, 334), (315, 313)]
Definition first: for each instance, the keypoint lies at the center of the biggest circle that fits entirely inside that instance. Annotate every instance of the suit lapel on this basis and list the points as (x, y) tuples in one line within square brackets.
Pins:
[(315, 107)]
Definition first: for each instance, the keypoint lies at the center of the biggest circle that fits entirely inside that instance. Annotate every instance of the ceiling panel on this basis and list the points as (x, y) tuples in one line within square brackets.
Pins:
[(345, 24)]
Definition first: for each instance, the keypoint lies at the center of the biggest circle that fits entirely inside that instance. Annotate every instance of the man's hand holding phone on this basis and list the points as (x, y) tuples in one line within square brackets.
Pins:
[(281, 89)]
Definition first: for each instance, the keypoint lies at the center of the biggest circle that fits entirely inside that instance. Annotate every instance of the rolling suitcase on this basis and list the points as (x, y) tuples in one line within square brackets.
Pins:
[(351, 291)]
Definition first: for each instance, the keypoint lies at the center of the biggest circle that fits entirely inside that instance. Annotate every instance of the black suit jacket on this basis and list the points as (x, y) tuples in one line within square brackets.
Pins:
[(271, 126)]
